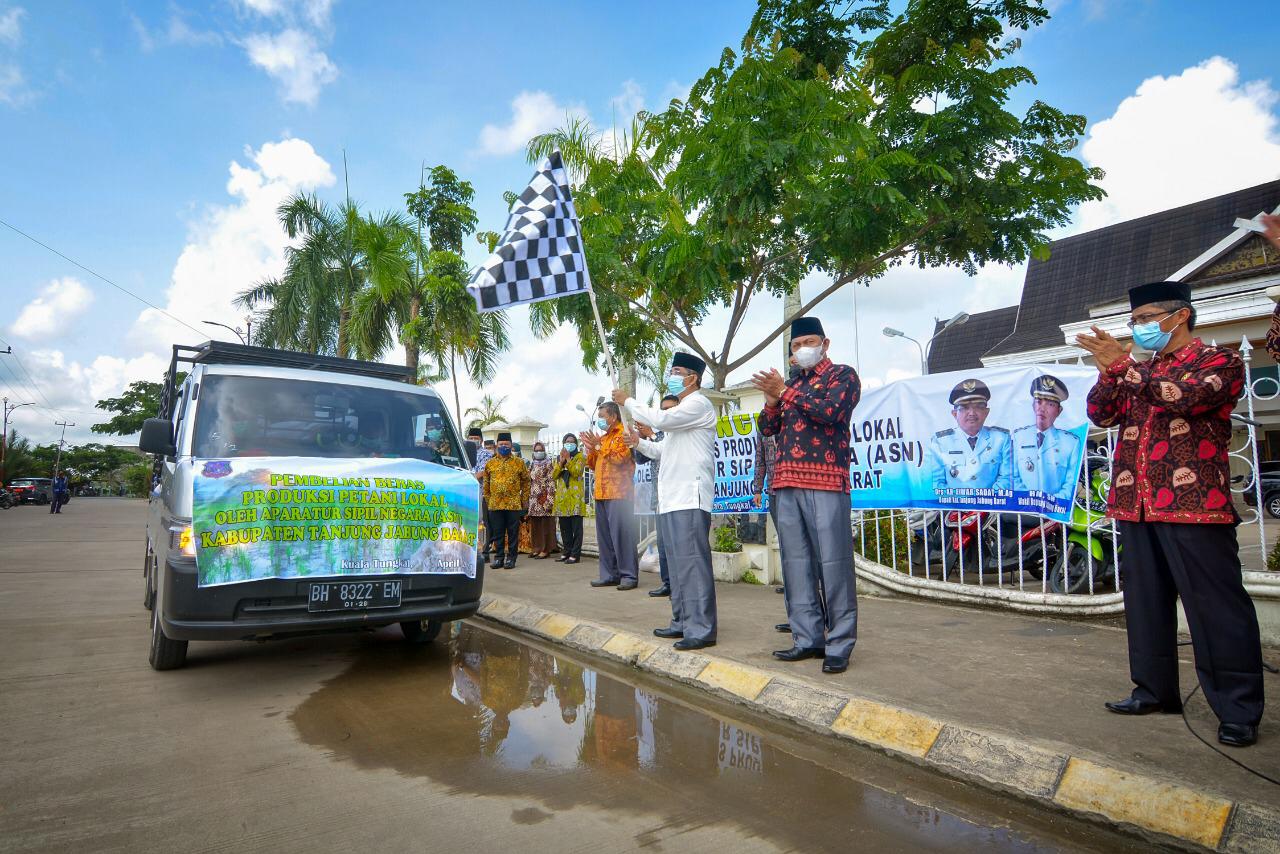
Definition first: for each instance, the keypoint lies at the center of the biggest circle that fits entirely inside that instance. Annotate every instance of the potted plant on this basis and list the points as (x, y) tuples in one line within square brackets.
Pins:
[(728, 561)]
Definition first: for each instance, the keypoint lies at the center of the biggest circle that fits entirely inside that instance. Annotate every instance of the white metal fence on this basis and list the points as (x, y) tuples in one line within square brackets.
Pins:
[(1082, 556)]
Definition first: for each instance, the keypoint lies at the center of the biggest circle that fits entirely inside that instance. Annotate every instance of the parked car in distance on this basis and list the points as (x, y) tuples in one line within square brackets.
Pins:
[(32, 490), (1270, 479)]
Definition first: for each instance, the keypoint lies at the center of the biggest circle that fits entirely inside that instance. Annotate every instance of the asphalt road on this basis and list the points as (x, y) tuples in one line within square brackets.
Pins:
[(360, 741)]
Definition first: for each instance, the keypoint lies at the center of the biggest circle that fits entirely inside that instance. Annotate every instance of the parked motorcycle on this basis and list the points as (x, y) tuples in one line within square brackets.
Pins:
[(1090, 539), (7, 499)]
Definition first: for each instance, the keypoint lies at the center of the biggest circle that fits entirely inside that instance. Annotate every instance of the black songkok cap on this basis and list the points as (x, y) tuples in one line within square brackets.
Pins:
[(504, 437), (1159, 292), (688, 360), (806, 326)]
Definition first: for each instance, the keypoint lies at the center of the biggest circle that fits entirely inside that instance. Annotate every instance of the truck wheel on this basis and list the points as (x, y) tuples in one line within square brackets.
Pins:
[(166, 653), (421, 631)]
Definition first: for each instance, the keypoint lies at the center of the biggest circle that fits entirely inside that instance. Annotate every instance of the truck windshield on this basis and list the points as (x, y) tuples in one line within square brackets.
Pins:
[(272, 417)]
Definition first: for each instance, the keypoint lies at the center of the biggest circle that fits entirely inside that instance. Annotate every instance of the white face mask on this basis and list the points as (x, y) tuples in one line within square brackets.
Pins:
[(807, 357)]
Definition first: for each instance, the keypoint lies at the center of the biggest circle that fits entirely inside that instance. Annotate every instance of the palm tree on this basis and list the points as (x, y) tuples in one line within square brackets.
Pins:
[(654, 371), (487, 412), (339, 252)]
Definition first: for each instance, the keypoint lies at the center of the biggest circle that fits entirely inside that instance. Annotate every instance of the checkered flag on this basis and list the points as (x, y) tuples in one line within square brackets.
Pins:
[(540, 254)]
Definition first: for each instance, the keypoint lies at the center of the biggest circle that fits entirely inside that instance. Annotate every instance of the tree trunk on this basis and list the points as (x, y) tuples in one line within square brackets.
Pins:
[(411, 346), (344, 318), (627, 378), (453, 375)]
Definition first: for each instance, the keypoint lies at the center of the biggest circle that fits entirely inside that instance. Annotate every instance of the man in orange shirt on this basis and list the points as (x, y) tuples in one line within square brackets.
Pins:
[(610, 458)]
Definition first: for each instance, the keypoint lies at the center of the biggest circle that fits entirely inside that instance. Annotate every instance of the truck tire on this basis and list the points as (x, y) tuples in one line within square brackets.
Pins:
[(166, 653), (421, 631), (148, 590)]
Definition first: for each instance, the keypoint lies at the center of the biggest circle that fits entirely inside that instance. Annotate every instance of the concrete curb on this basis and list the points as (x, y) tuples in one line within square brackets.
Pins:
[(1166, 811)]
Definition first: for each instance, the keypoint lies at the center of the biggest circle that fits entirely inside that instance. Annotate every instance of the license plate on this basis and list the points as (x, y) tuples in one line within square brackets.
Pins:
[(353, 595)]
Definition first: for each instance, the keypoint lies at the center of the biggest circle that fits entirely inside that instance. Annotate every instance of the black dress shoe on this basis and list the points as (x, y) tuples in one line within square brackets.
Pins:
[(510, 564), (780, 589), (562, 558), (1134, 706), (798, 653), (608, 582), (628, 585), (1237, 735), (834, 664), (690, 643), (783, 627), (669, 634), (664, 590)]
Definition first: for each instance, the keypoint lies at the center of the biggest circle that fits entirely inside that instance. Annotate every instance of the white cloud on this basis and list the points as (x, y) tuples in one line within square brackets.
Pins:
[(295, 60), (11, 24), (532, 113), (235, 245), (1180, 139), (313, 12), (177, 32), (60, 304), (13, 86)]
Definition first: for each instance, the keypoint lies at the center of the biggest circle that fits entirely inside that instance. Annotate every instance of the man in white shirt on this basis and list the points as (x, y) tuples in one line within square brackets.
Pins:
[(686, 490)]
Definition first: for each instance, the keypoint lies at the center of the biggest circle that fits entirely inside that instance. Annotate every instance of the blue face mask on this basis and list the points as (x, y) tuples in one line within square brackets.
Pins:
[(505, 450), (1149, 336), (602, 424), (675, 385), (434, 435), (571, 447)]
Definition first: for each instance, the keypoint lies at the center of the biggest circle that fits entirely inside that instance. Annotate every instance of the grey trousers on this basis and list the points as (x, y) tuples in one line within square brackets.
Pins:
[(685, 537), (616, 539), (815, 534)]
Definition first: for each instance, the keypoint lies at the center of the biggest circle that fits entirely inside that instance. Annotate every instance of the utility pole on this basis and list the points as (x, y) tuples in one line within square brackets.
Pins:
[(57, 460), (4, 434)]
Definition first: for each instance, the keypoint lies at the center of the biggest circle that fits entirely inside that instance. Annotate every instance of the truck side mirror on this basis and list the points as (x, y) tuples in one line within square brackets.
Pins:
[(157, 437)]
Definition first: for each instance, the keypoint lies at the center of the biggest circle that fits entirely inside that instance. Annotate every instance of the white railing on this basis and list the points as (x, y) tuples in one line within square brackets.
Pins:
[(1029, 553)]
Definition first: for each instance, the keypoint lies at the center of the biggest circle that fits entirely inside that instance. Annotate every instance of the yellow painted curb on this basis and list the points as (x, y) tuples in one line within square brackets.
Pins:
[(744, 682), (888, 727), (557, 625), (498, 607), (1162, 807), (629, 647)]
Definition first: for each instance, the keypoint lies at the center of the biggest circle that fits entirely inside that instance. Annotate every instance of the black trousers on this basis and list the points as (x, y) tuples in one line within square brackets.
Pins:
[(571, 535), (505, 525), (1161, 561)]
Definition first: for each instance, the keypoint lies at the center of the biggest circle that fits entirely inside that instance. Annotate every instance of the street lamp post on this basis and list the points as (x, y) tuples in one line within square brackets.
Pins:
[(890, 332), (4, 435), (235, 329)]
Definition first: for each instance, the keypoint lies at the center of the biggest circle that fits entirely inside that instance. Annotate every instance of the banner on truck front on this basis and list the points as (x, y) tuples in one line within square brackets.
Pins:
[(306, 517)]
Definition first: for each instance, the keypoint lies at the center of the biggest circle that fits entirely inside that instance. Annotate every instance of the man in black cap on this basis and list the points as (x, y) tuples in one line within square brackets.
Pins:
[(686, 492), (810, 417), (506, 493), (971, 455), (1170, 491), (1043, 454)]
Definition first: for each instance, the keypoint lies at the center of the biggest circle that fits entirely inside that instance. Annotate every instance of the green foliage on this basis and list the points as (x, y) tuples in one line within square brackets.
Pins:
[(749, 577), (841, 139), (138, 402), (81, 463), (137, 479), (1273, 557), (725, 539), (488, 412), (882, 538)]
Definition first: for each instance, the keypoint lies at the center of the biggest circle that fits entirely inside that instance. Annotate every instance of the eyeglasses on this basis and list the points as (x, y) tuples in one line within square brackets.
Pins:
[(1147, 318)]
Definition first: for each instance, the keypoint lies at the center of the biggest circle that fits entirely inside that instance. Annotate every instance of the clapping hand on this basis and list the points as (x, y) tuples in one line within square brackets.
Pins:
[(771, 383), (564, 455), (590, 439), (1104, 348), (631, 437), (645, 431), (1272, 224)]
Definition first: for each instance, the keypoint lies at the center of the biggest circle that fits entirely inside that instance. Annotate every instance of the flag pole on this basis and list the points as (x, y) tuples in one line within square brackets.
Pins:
[(604, 342)]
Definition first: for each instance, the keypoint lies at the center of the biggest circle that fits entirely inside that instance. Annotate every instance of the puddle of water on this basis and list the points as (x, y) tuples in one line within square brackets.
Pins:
[(485, 714)]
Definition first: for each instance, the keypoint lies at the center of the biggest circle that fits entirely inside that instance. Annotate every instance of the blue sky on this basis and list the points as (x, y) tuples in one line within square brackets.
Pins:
[(120, 122)]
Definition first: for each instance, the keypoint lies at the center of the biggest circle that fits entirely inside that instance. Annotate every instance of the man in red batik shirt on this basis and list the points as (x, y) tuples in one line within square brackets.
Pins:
[(810, 417), (1170, 491)]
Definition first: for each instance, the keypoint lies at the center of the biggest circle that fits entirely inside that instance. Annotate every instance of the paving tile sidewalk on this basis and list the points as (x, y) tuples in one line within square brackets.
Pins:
[(1030, 678)]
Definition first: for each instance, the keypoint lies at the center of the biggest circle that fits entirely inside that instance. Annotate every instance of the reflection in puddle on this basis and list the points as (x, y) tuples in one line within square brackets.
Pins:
[(488, 715)]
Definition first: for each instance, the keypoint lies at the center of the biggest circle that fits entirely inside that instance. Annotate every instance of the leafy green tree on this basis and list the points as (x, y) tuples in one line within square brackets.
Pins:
[(139, 401), (138, 479), (842, 139), (654, 371), (18, 458)]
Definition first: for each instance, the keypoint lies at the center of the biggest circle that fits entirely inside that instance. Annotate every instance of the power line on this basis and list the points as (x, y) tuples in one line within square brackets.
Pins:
[(34, 384), (123, 290)]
